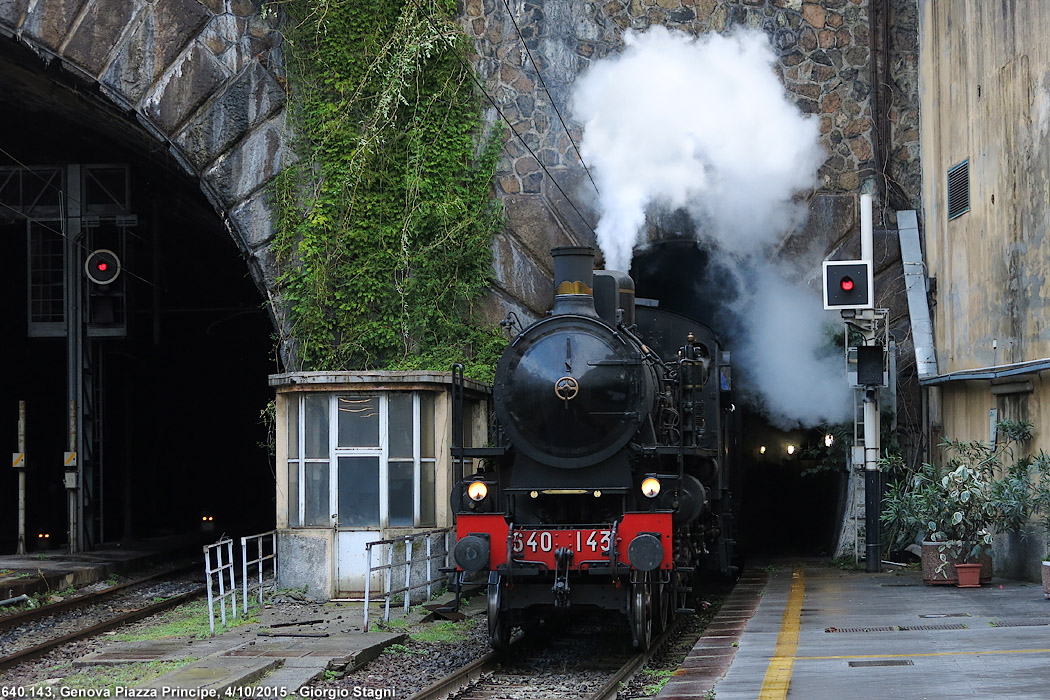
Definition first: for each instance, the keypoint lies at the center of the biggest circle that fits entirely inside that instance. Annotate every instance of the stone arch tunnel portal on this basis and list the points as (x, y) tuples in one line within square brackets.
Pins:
[(161, 374)]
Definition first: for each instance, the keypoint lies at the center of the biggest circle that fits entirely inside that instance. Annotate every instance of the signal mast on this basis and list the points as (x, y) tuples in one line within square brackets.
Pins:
[(849, 288)]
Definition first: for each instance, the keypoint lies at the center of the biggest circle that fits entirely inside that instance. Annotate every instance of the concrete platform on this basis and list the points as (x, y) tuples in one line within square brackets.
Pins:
[(816, 632), (56, 570), (283, 664), (272, 666)]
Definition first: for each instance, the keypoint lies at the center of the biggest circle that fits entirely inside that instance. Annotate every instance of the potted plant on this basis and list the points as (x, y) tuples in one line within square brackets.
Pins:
[(955, 507), (1041, 506)]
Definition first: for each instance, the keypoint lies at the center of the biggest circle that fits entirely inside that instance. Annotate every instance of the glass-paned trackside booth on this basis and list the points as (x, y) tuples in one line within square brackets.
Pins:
[(362, 456)]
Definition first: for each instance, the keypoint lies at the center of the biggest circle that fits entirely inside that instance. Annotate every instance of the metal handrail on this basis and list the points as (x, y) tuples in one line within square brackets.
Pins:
[(219, 569), (389, 567), (260, 559)]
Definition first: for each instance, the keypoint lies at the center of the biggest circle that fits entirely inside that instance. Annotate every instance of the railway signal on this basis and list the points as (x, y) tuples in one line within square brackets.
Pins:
[(102, 266), (848, 284)]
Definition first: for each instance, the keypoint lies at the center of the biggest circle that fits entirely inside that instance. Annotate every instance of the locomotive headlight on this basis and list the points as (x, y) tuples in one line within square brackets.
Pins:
[(477, 490), (651, 487)]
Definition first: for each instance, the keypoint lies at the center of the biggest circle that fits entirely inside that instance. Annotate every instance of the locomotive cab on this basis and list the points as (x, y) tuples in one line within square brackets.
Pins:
[(609, 490)]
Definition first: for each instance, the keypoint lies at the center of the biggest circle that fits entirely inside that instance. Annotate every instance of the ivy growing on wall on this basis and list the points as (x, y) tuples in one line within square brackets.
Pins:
[(384, 223)]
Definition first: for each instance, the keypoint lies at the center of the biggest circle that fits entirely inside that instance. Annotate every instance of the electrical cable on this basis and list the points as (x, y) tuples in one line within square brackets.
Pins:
[(75, 242), (554, 104), (471, 73), (47, 183)]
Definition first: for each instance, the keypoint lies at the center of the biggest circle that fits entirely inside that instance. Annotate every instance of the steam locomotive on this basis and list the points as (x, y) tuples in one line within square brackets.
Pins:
[(608, 484)]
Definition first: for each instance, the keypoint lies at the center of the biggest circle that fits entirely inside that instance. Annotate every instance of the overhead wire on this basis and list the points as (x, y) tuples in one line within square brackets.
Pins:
[(554, 104), (45, 226), (48, 183), (474, 77)]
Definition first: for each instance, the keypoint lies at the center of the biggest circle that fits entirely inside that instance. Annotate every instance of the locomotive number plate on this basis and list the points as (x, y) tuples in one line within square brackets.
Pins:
[(594, 542)]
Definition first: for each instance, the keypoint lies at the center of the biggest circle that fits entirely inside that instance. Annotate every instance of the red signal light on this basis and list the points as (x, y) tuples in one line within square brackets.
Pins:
[(846, 284), (102, 266)]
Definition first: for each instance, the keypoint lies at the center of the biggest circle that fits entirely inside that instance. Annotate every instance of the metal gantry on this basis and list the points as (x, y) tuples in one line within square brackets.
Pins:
[(68, 211)]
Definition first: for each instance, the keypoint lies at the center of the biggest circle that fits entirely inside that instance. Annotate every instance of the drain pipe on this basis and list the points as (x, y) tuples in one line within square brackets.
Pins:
[(17, 599)]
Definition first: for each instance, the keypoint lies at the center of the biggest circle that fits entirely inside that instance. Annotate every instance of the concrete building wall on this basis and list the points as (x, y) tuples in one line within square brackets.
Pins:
[(985, 95), (985, 92), (984, 84)]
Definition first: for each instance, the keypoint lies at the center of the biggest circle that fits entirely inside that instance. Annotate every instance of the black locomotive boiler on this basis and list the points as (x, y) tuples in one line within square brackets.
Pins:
[(607, 487)]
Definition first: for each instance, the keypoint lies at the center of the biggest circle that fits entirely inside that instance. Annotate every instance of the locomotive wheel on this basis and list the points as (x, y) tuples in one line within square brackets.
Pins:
[(642, 614), (663, 606), (499, 630)]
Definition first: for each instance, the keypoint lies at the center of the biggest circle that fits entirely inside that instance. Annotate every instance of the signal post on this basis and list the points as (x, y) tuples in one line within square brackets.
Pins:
[(849, 288)]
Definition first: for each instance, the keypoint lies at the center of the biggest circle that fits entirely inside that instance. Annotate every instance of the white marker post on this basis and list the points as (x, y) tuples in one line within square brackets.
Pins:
[(872, 427), (18, 461)]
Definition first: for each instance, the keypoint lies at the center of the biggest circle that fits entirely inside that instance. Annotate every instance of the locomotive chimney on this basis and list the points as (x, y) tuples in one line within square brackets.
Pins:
[(574, 281)]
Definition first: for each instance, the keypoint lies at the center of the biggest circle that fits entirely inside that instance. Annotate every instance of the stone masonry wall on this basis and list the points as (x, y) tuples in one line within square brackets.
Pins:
[(823, 59)]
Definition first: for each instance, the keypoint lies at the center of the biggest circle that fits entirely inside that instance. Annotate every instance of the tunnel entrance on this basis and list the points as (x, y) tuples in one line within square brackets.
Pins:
[(788, 502), (160, 373)]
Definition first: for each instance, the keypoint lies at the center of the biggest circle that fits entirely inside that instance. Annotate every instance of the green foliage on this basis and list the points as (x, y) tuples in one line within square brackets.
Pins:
[(1040, 473), (402, 650), (110, 679), (979, 489), (653, 680), (446, 631), (384, 225), (820, 457), (190, 620)]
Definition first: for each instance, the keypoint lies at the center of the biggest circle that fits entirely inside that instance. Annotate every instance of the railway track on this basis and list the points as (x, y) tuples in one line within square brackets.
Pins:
[(32, 633), (549, 672)]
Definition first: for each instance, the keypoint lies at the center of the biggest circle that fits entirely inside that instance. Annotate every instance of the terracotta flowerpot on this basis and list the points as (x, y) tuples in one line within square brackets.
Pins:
[(1046, 579), (969, 575)]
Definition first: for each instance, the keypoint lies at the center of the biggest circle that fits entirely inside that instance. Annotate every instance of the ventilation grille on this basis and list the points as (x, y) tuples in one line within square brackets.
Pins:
[(899, 628), (1021, 623), (916, 628), (887, 662), (958, 190)]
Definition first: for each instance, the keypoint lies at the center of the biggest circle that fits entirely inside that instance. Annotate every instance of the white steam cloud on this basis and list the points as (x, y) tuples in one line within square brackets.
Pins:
[(704, 125)]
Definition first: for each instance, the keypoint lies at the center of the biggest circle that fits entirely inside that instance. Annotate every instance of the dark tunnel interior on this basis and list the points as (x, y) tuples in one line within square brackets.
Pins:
[(785, 504), (180, 394)]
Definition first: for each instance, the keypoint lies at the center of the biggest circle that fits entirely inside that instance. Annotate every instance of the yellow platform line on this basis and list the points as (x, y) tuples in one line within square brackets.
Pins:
[(976, 652), (778, 675)]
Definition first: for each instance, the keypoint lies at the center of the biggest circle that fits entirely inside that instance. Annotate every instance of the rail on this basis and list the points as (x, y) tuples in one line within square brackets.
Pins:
[(215, 551), (461, 681), (388, 568), (260, 560), (47, 645)]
